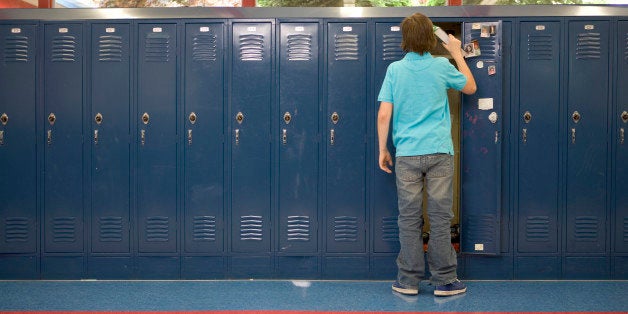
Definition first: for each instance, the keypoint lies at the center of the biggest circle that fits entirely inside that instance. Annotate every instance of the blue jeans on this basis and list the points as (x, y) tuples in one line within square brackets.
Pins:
[(435, 174)]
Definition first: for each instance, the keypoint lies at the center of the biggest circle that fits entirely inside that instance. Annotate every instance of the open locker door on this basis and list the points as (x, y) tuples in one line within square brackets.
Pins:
[(481, 141)]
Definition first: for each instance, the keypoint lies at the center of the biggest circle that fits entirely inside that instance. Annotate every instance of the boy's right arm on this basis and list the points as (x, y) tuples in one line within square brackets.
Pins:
[(455, 49)]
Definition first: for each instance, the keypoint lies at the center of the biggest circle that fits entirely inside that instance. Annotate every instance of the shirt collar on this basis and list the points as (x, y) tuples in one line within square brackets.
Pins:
[(411, 56)]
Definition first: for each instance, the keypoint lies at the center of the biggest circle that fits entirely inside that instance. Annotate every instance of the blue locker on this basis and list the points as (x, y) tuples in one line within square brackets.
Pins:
[(481, 149), (156, 141), (619, 133), (110, 141), (64, 214), (538, 140), (250, 137), (203, 138), (298, 137), (384, 208), (586, 136), (345, 137), (18, 157)]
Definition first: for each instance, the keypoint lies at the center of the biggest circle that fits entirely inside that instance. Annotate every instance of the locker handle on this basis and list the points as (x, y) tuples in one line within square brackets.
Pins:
[(95, 137), (1, 137), (621, 135), (284, 137), (143, 136), (573, 135), (332, 136), (49, 137), (237, 136), (496, 137), (524, 135), (190, 137)]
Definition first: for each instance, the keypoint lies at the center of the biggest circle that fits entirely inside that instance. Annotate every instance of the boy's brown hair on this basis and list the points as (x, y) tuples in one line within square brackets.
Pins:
[(418, 34)]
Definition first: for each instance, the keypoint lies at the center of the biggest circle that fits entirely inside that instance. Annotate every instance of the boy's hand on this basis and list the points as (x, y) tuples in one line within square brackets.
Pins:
[(454, 47), (385, 161)]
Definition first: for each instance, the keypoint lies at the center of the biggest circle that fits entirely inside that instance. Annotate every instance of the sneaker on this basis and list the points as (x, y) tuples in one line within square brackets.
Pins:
[(397, 287), (456, 287)]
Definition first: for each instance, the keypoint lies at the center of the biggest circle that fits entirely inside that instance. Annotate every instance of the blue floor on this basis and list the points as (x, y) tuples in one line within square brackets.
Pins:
[(482, 296)]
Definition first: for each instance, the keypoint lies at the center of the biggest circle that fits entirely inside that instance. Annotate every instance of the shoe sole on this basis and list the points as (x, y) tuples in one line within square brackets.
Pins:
[(405, 290), (440, 293)]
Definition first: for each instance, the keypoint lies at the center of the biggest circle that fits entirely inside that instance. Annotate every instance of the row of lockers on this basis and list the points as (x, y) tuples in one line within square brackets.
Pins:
[(248, 146)]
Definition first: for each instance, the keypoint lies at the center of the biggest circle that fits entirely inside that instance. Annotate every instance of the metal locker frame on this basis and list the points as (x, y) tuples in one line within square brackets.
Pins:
[(63, 228), (19, 232), (482, 138), (204, 89)]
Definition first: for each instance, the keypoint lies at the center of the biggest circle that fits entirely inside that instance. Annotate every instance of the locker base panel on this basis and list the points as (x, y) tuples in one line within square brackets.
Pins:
[(110, 268), (537, 267), (158, 267), (203, 267), (383, 267), (586, 268), (298, 267), (620, 267), (19, 267), (251, 267), (478, 267), (349, 267), (309, 297), (63, 267)]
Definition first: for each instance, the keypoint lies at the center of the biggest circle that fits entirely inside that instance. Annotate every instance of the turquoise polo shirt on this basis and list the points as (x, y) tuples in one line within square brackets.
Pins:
[(417, 87)]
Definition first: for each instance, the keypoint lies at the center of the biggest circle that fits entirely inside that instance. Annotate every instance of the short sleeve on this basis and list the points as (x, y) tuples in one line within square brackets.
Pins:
[(455, 79), (385, 92)]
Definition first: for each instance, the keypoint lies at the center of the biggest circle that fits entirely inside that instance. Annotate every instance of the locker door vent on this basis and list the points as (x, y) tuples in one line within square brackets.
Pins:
[(110, 48), (588, 46), (204, 228), (16, 49), (298, 228), (540, 47), (587, 228), (488, 45), (537, 228), (110, 229), (346, 47), (625, 230), (346, 229), (300, 47), (390, 229), (157, 47), (64, 229), (157, 229), (626, 47), (392, 47), (481, 228), (16, 229), (251, 47), (63, 49), (251, 228), (204, 47)]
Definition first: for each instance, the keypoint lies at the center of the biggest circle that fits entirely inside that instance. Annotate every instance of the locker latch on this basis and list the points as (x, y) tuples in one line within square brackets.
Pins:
[(287, 117), (145, 118), (4, 119), (1, 138), (98, 118), (335, 117), (576, 116), (52, 118)]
